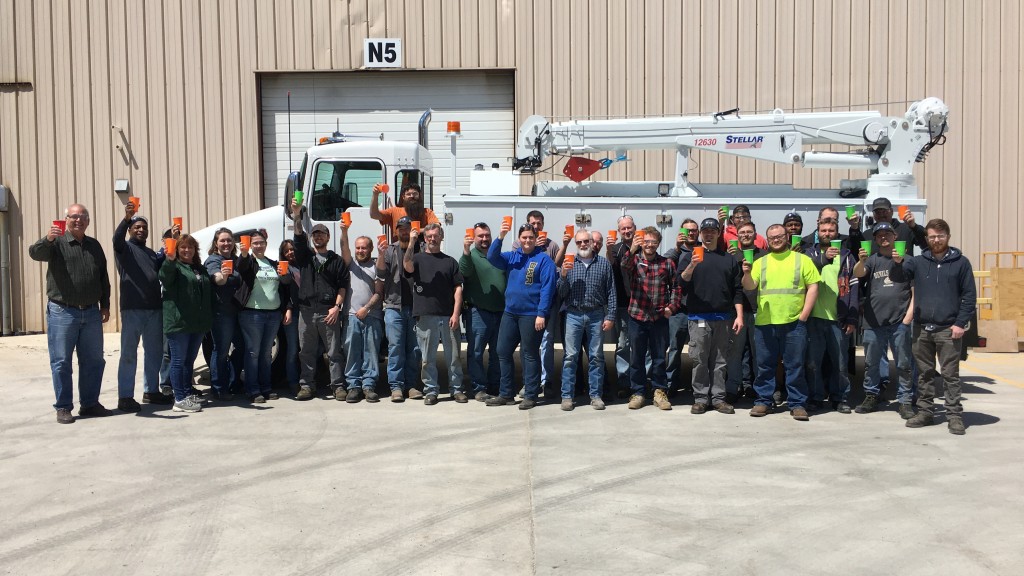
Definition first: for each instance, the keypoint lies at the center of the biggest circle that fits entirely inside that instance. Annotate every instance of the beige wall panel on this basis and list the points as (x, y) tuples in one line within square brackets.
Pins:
[(802, 80), (79, 187), (286, 34), (197, 162), (1014, 188), (839, 73), (987, 221), (451, 40), (212, 129), (1009, 151), (376, 22), (36, 208), (561, 55), (432, 34), (597, 48), (710, 99), (579, 37), (8, 37), (654, 83), (948, 195), (320, 39), (468, 33), (234, 24), (728, 77), (821, 84), (177, 116), (266, 48), (486, 23), (303, 24), (765, 95), (544, 60), (248, 112), (506, 24), (24, 271), (964, 221), (413, 40), (746, 78), (783, 79)]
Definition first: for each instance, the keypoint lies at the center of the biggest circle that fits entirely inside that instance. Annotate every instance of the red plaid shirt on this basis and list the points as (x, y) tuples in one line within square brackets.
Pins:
[(653, 286)]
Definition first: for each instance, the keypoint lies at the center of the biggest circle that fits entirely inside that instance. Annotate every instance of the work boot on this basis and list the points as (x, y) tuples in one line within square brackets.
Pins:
[(920, 420), (567, 404), (760, 410), (636, 401), (305, 393), (64, 416), (698, 408), (430, 400), (843, 408), (97, 410), (597, 402), (661, 400), (527, 403), (415, 394), (128, 405), (354, 395), (956, 425), (725, 408), (461, 397), (397, 396), (259, 399), (499, 401), (906, 411), (869, 404), (482, 396), (371, 395), (340, 394), (799, 413)]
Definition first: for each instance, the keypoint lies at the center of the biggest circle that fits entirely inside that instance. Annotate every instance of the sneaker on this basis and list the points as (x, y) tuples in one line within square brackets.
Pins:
[(97, 410), (906, 411), (430, 400), (597, 403), (353, 395), (725, 408), (187, 405), (698, 408), (760, 410), (128, 405), (527, 403), (956, 425), (870, 404), (499, 401), (271, 396), (259, 399), (567, 404), (305, 393), (371, 395), (64, 416), (636, 401), (397, 396), (415, 394), (799, 413), (482, 396), (661, 400), (843, 408), (340, 394), (920, 420), (461, 397), (157, 398)]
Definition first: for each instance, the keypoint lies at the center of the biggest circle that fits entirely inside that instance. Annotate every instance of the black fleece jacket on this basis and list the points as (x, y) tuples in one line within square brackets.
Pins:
[(944, 293)]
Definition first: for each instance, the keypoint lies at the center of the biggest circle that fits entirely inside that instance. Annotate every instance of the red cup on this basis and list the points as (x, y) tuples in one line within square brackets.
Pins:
[(570, 259), (282, 267), (698, 253), (382, 239), (229, 264), (170, 245), (346, 219), (62, 224)]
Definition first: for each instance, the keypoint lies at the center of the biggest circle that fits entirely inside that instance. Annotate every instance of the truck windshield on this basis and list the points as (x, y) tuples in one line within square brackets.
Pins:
[(342, 184)]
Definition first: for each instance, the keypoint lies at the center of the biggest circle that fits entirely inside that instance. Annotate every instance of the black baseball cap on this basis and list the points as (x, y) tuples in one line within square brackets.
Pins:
[(881, 204), (882, 227), (792, 217), (710, 223), (320, 228), (404, 221)]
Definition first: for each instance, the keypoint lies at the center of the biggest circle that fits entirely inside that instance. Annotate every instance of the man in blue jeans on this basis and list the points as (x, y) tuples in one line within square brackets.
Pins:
[(586, 286), (78, 290), (399, 325), (787, 286), (141, 312), (484, 302), (888, 319)]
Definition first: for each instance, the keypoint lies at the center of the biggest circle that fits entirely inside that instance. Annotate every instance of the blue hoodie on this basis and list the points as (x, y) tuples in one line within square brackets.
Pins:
[(532, 279)]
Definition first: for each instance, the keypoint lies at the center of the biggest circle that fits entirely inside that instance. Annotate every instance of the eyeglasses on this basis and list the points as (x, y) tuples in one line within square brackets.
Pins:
[(776, 238), (582, 242), (938, 236), (77, 217)]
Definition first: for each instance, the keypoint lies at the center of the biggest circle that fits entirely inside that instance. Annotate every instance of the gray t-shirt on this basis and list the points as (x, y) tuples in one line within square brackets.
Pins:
[(362, 278), (887, 292)]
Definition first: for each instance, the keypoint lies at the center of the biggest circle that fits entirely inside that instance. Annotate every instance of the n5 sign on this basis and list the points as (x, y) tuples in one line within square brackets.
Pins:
[(382, 53)]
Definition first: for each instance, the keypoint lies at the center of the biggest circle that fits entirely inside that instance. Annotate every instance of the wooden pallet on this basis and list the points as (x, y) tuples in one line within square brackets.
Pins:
[(1001, 294)]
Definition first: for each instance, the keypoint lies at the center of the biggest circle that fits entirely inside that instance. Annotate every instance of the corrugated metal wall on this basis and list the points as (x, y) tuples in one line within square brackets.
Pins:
[(178, 79)]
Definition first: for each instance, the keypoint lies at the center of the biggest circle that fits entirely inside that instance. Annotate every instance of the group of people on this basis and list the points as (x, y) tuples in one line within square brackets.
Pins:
[(766, 317)]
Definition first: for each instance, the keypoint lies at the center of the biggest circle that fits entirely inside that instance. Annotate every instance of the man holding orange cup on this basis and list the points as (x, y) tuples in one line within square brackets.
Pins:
[(586, 286), (484, 292), (714, 305), (617, 245), (905, 227), (364, 324), (410, 204)]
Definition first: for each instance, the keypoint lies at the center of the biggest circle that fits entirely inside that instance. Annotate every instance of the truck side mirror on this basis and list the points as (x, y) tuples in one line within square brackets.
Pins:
[(291, 184)]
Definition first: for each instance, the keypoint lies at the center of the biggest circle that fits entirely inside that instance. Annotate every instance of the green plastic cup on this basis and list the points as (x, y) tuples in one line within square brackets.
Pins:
[(901, 247), (837, 244), (684, 232), (851, 211), (726, 208), (298, 197), (794, 240), (865, 245), (748, 255), (734, 243)]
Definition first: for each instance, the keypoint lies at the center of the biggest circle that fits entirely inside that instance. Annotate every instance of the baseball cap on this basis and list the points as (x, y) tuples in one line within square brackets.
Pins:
[(404, 221), (320, 228), (710, 223), (882, 227), (792, 217), (881, 203)]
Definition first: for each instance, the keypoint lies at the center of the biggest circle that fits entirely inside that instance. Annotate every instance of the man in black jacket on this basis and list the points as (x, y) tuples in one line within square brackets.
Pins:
[(944, 305), (323, 279), (906, 229), (714, 306), (141, 312)]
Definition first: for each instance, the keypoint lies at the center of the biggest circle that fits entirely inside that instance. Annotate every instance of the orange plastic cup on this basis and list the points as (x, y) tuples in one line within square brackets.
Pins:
[(229, 264), (570, 259), (246, 241), (613, 235), (698, 253), (469, 231), (570, 230), (542, 235), (416, 225), (136, 202), (170, 245), (640, 234), (382, 239), (385, 188), (346, 219), (282, 267), (177, 220), (903, 210), (507, 221)]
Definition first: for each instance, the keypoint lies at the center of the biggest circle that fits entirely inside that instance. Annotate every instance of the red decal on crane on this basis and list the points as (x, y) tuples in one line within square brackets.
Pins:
[(579, 168)]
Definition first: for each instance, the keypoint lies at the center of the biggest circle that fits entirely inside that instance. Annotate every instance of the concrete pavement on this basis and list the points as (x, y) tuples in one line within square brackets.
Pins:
[(323, 487)]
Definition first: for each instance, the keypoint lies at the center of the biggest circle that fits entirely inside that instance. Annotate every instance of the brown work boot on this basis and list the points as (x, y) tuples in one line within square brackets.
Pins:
[(920, 420), (661, 400), (760, 410), (956, 425), (415, 394), (725, 408), (64, 416), (799, 413), (305, 393), (636, 401), (340, 394), (397, 396), (698, 408)]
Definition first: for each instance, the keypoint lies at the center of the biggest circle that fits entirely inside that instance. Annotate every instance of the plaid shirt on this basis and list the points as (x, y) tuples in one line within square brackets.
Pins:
[(587, 288), (653, 286)]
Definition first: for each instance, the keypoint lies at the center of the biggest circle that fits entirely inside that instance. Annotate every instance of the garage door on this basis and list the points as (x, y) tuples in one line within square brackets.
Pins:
[(388, 103)]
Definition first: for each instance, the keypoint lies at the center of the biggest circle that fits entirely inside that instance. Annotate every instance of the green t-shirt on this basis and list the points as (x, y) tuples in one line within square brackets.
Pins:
[(781, 297), (828, 292), (484, 285), (265, 295)]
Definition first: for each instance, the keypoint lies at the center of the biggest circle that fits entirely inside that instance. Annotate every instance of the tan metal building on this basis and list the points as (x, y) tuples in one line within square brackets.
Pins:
[(169, 94)]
